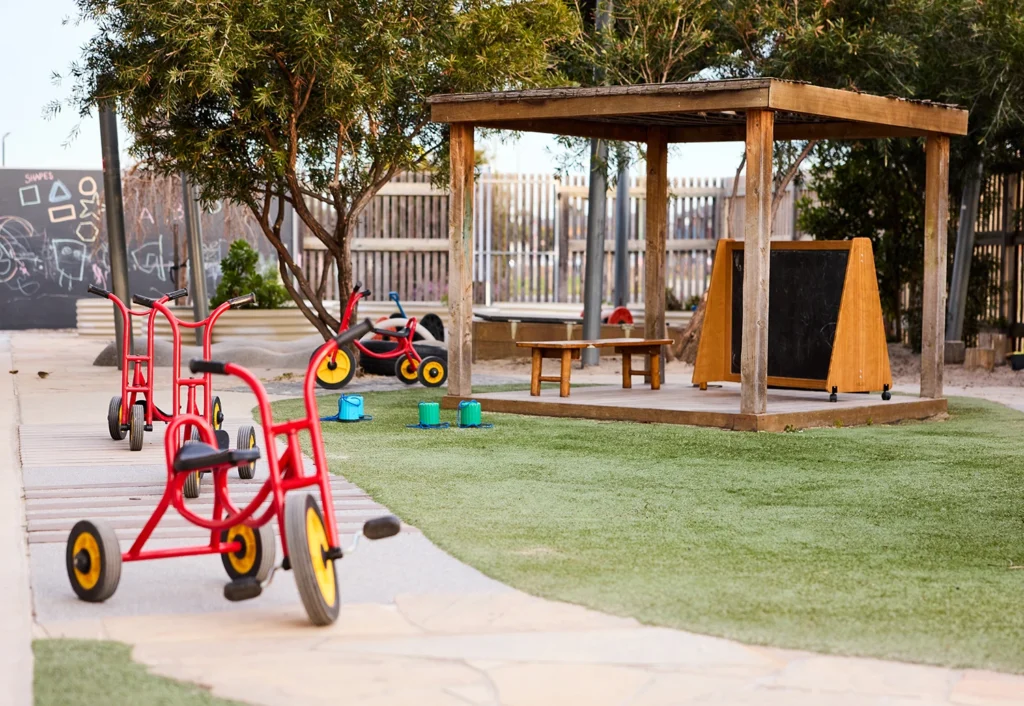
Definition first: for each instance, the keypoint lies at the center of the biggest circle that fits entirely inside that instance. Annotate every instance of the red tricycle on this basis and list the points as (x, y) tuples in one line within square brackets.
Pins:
[(243, 537), (338, 369), (138, 415)]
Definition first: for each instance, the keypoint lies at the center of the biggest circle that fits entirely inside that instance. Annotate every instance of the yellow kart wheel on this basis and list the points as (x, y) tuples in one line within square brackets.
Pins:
[(93, 560), (217, 416), (114, 419), (336, 370), (433, 371), (308, 545), (406, 370), (255, 559), (246, 439)]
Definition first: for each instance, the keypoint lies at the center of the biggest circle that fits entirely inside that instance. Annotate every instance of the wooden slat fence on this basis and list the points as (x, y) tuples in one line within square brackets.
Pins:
[(529, 238), (999, 235)]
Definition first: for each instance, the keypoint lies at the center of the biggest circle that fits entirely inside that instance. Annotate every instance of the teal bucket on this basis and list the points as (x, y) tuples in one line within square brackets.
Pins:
[(350, 408), (430, 414), (468, 414)]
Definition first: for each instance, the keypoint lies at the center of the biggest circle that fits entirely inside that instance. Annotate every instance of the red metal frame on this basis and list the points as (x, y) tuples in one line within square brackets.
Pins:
[(285, 472)]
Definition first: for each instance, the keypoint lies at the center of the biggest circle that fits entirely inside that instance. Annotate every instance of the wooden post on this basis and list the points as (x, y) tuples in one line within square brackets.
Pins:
[(460, 267), (933, 305), (656, 228), (757, 234)]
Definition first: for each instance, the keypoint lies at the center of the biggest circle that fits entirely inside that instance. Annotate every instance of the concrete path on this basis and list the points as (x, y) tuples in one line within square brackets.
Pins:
[(417, 627)]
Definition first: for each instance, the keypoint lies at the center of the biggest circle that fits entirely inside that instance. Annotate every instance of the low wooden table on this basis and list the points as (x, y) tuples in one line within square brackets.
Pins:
[(569, 351)]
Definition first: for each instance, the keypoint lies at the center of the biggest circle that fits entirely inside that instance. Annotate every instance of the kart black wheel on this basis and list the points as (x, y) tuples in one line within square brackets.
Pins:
[(93, 560), (114, 419)]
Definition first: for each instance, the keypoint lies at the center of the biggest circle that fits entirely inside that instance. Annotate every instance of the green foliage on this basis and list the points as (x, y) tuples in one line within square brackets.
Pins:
[(277, 101), (894, 541), (240, 275)]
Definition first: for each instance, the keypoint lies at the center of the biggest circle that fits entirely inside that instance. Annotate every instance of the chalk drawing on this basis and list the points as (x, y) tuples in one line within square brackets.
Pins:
[(19, 264), (59, 193), (38, 176), (212, 253), (90, 207), (29, 195), (87, 232), (67, 215), (69, 257), (146, 215), (149, 258), (217, 207), (87, 186)]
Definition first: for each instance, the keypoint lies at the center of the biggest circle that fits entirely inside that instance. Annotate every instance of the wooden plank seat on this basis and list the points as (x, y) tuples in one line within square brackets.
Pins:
[(568, 351)]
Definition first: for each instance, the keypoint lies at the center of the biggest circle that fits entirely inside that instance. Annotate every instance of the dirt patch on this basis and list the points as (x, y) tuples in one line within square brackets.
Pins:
[(906, 372)]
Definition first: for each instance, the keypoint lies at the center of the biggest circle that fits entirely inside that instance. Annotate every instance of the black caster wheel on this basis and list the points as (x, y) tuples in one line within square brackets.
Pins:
[(886, 395), (114, 419), (315, 574), (406, 370), (246, 439), (337, 371), (433, 372), (255, 559), (93, 560)]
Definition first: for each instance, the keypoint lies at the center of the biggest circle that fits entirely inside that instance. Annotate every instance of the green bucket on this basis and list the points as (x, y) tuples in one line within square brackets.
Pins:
[(468, 414), (430, 414)]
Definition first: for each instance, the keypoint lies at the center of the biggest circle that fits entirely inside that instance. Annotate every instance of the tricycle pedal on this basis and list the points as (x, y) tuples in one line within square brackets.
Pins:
[(148, 427), (243, 589), (333, 554), (286, 564)]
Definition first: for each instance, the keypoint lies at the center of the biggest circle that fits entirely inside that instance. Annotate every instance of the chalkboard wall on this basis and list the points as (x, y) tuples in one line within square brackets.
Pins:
[(53, 241), (805, 289)]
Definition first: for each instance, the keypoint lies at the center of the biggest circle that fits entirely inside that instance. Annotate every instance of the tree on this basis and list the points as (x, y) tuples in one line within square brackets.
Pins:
[(301, 101)]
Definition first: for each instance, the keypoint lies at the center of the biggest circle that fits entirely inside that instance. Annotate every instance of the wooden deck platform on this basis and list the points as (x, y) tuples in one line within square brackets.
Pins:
[(678, 403)]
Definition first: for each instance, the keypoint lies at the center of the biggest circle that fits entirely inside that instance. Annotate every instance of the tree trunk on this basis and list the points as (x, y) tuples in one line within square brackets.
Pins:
[(686, 349)]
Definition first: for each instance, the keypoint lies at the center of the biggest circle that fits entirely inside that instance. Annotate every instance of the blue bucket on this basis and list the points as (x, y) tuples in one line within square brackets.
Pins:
[(350, 408)]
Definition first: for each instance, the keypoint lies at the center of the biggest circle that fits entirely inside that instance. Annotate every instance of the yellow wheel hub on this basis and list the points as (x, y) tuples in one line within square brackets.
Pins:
[(316, 536), (247, 536), (341, 369), (433, 371), (87, 543), (216, 416), (407, 370)]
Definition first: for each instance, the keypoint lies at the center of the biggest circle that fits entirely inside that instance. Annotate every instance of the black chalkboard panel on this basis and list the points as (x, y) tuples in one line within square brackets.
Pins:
[(804, 292)]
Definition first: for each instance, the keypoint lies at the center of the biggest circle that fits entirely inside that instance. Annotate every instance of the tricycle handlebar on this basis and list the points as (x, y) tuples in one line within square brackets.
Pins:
[(176, 294), (142, 301), (242, 300), (93, 289), (207, 366), (354, 333)]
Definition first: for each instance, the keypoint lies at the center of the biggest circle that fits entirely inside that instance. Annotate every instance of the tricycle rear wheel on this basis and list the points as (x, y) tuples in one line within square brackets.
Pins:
[(406, 370), (136, 427), (307, 543), (114, 419), (246, 439), (93, 560)]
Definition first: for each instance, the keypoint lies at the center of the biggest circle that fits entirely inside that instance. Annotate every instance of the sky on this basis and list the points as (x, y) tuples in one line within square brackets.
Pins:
[(38, 42)]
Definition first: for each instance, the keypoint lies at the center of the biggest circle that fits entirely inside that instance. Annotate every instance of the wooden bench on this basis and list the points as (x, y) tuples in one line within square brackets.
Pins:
[(568, 351)]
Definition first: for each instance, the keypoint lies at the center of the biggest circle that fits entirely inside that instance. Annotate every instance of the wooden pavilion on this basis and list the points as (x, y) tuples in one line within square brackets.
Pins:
[(757, 111)]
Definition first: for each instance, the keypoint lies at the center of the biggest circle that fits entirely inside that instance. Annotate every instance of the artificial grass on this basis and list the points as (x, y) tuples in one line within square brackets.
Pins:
[(902, 541), (90, 673)]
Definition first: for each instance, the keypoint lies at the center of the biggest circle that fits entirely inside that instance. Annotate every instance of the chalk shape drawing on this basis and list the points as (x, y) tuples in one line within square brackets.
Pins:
[(87, 232), (217, 207), (87, 186), (146, 215), (68, 213), (149, 258), (59, 193), (69, 258), (19, 264), (90, 207), (29, 195)]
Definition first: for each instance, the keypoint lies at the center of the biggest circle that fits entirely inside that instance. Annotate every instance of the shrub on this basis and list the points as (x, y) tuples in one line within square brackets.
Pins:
[(240, 275)]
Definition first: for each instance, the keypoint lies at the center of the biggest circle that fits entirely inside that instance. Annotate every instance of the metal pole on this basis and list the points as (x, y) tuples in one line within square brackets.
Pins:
[(197, 272), (114, 206), (3, 150), (593, 275), (957, 303), (622, 232)]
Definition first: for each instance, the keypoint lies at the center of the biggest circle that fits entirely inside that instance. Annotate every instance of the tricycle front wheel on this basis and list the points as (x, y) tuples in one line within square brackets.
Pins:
[(93, 560), (406, 369), (336, 371), (255, 559), (307, 543), (114, 419)]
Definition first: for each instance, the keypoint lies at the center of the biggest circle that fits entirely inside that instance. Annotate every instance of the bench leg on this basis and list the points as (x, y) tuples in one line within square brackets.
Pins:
[(566, 371), (655, 368), (627, 370), (538, 361)]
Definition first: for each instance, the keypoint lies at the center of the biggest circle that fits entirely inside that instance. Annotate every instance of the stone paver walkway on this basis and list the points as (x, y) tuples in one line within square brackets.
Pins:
[(417, 627)]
